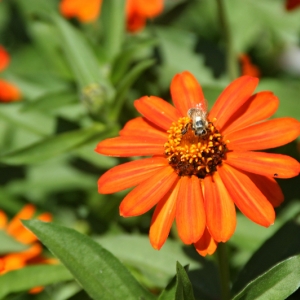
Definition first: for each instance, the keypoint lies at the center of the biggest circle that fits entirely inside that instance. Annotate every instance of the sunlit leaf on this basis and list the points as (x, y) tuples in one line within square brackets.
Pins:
[(184, 289), (286, 242), (277, 283)]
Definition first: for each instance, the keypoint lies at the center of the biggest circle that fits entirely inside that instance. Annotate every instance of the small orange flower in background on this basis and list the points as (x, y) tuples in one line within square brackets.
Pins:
[(292, 4), (247, 67), (202, 165), (30, 256), (137, 11), (85, 11), (8, 92)]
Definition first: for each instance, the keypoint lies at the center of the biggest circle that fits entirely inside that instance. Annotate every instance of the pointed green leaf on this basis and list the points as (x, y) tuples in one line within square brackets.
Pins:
[(286, 241), (8, 244), (32, 276), (126, 83), (51, 101), (79, 53), (97, 270), (52, 146), (184, 289), (113, 16), (277, 283), (170, 291)]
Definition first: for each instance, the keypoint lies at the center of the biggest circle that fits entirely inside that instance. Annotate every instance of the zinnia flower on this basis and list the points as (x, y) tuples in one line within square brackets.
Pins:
[(292, 4), (32, 255), (247, 67), (137, 11), (8, 92), (202, 166)]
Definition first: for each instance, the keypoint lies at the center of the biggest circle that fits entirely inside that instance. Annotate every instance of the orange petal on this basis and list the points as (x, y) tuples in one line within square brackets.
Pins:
[(36, 290), (148, 193), (129, 174), (141, 127), (45, 217), (257, 108), (157, 111), (147, 8), (267, 164), (15, 227), (265, 135), (85, 11), (9, 92), (206, 244), (247, 197), (269, 187), (3, 219), (231, 99), (190, 215), (219, 209), (4, 58), (163, 218), (186, 92), (125, 146)]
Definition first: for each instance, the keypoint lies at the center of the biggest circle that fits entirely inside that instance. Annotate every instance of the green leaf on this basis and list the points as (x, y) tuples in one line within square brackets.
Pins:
[(184, 289), (286, 241), (127, 56), (158, 266), (113, 17), (97, 270), (52, 146), (8, 244), (177, 55), (277, 283), (51, 101), (81, 58), (27, 120), (32, 276), (169, 293), (126, 83)]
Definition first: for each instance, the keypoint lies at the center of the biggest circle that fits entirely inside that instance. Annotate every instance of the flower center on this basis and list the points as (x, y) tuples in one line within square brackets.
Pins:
[(191, 153)]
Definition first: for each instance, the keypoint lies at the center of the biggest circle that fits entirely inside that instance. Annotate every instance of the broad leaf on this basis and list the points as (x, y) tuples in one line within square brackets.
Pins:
[(277, 283), (97, 270), (286, 241), (32, 276)]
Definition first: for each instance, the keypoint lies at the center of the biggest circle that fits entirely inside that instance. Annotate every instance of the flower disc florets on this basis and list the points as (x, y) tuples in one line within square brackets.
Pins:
[(192, 154)]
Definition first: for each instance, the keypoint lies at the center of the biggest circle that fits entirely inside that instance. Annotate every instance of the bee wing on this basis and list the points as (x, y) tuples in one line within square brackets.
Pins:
[(203, 105)]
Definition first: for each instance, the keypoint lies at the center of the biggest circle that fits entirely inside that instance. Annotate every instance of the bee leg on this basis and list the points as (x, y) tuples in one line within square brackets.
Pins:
[(185, 129)]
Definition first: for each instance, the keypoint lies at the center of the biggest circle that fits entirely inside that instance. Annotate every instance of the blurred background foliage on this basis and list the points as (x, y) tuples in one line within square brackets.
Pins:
[(78, 83)]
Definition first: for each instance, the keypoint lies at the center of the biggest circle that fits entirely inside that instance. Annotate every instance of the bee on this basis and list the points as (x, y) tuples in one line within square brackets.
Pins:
[(198, 115)]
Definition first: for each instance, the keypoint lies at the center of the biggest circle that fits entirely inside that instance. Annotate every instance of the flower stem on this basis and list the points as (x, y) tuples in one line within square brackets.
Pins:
[(222, 257), (231, 59)]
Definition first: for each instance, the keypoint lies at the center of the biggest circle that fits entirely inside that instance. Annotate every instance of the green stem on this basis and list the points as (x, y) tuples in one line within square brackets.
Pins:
[(222, 257), (231, 59)]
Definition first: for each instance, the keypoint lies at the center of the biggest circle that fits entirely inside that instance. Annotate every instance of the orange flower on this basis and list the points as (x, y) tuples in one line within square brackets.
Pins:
[(202, 166), (291, 4), (32, 255), (137, 11), (248, 68), (85, 11), (8, 92)]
